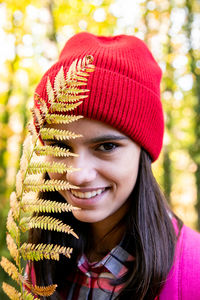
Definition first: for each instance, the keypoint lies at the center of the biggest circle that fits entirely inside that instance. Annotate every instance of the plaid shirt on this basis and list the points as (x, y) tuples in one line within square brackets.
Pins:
[(92, 281)]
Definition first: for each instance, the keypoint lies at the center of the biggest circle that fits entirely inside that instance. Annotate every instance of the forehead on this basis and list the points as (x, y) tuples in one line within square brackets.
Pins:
[(88, 127)]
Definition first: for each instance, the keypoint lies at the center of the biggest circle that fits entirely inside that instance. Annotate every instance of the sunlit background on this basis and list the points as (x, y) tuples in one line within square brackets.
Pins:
[(32, 33)]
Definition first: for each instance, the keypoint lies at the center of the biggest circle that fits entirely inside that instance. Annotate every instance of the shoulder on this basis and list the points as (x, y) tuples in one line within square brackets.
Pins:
[(189, 269), (188, 243), (188, 252), (190, 238), (183, 280)]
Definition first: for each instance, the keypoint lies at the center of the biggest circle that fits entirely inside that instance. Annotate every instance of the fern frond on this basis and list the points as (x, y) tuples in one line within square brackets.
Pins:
[(12, 247), (73, 90), (41, 205), (53, 151), (65, 94), (71, 71), (11, 292), (68, 99), (30, 197), (47, 185), (50, 223), (64, 119), (15, 206), (58, 134), (84, 66), (50, 92), (79, 76), (75, 83), (23, 164), (10, 268), (44, 251), (59, 82), (50, 167), (12, 226), (33, 132), (38, 117), (63, 107), (27, 146), (44, 291), (43, 105), (28, 296), (19, 183)]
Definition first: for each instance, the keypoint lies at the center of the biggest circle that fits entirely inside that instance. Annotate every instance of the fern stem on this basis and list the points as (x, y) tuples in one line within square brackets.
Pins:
[(20, 209)]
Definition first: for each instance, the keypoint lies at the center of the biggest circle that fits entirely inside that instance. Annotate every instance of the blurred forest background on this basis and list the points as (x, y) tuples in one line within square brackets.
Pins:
[(32, 34)]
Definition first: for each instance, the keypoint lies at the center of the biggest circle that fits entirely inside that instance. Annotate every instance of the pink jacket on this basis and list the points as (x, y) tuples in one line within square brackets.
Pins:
[(183, 281)]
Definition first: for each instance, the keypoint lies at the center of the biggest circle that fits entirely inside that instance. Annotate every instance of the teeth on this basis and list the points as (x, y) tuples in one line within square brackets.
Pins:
[(87, 195)]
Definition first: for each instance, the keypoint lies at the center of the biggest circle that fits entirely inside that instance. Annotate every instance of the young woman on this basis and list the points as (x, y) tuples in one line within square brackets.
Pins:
[(131, 245)]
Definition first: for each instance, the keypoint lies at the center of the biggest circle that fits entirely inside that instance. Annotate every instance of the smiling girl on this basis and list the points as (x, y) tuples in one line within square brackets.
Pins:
[(131, 245)]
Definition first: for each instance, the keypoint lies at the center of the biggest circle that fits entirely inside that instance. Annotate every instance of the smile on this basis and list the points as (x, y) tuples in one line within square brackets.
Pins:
[(87, 195)]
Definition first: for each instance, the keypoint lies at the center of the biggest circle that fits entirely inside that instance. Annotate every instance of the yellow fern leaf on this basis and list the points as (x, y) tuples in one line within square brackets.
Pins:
[(44, 251), (37, 117), (50, 167), (59, 82), (82, 66), (31, 196), (47, 185), (74, 91), (50, 223), (51, 133), (28, 296), (12, 247), (50, 91), (43, 107), (33, 132), (44, 291), (69, 98), (71, 71), (54, 151), (12, 226), (19, 181), (24, 224), (75, 83), (10, 268), (64, 119), (64, 107), (11, 292), (41, 205), (15, 206), (23, 164), (28, 146)]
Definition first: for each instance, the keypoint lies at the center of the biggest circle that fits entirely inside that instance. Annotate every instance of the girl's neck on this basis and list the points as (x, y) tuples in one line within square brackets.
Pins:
[(105, 236), (102, 245)]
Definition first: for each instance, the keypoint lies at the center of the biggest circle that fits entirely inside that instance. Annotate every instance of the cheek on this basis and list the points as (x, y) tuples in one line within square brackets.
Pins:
[(128, 176), (128, 169)]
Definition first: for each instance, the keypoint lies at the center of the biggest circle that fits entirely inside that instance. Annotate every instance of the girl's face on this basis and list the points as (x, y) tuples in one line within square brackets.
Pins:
[(108, 162)]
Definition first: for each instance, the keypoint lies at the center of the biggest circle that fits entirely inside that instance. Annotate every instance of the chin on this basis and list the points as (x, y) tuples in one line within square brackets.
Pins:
[(86, 217)]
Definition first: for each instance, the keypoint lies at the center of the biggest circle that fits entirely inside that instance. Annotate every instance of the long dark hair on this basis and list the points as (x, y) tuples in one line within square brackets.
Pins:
[(148, 226)]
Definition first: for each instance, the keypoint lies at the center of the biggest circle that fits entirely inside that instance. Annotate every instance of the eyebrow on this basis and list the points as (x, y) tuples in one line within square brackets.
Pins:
[(98, 139), (105, 138)]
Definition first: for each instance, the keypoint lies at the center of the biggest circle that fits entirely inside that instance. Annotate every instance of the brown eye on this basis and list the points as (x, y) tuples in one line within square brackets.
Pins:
[(107, 147)]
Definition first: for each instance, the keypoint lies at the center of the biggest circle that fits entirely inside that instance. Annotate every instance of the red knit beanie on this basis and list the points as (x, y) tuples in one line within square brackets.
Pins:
[(124, 88)]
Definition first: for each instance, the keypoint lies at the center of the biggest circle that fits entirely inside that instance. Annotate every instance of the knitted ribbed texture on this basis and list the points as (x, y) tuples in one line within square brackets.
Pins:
[(124, 89)]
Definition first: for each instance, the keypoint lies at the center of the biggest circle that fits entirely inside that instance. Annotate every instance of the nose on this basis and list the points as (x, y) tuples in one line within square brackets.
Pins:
[(86, 173)]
